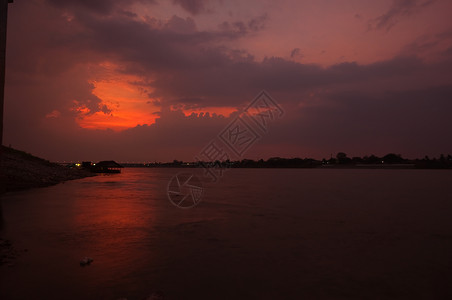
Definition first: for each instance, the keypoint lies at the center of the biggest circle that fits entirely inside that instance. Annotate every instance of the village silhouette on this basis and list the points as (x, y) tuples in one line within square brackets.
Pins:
[(341, 160)]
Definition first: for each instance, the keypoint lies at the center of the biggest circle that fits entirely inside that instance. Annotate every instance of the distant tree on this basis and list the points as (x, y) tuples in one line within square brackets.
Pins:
[(357, 160), (274, 162), (392, 158), (342, 158), (297, 162), (341, 155), (247, 163), (331, 161), (372, 159)]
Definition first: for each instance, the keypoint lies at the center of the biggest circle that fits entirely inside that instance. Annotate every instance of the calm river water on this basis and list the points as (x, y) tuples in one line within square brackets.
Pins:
[(257, 234)]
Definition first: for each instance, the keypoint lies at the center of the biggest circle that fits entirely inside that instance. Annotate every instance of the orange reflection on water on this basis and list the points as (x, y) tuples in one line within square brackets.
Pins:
[(116, 224)]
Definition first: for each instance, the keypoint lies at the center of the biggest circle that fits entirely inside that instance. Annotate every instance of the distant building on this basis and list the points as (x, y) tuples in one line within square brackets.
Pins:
[(106, 166), (86, 164)]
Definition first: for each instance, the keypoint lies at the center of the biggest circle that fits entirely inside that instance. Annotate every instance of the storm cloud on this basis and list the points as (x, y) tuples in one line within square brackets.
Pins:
[(180, 65)]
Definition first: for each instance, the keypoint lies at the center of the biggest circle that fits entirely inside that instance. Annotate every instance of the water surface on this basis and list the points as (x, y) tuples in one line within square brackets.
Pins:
[(257, 234)]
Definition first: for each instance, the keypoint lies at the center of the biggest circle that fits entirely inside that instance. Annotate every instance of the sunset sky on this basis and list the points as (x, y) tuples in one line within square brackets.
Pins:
[(138, 80)]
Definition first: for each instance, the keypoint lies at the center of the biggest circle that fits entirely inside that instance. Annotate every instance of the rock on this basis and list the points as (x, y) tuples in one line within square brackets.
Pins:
[(7, 253), (86, 261), (156, 296), (5, 243)]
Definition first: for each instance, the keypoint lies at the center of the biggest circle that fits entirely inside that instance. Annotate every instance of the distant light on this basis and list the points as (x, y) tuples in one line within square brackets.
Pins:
[(94, 164), (78, 165)]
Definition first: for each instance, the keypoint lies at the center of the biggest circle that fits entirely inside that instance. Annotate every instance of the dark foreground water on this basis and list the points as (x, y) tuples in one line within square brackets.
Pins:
[(257, 234)]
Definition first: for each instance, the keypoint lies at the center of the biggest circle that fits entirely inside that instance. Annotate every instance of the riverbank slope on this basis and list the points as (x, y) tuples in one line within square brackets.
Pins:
[(20, 170)]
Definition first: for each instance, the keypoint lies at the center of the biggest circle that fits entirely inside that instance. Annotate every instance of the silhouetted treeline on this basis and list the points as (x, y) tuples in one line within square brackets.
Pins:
[(341, 160)]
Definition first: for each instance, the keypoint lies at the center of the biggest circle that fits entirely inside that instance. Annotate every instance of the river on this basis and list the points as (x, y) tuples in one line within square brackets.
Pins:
[(256, 234)]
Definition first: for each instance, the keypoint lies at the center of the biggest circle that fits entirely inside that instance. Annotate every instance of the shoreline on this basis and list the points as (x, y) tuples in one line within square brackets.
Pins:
[(325, 167), (22, 171)]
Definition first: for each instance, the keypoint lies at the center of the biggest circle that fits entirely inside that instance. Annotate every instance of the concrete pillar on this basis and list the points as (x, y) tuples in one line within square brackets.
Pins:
[(3, 22)]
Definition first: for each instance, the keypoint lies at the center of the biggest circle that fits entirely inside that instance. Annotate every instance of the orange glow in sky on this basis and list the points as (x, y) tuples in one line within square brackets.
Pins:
[(224, 111), (127, 96), (128, 101)]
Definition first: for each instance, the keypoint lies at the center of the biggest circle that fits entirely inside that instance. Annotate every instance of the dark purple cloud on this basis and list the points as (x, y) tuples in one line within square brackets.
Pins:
[(397, 105), (413, 123), (103, 7), (296, 52), (193, 6), (399, 8)]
